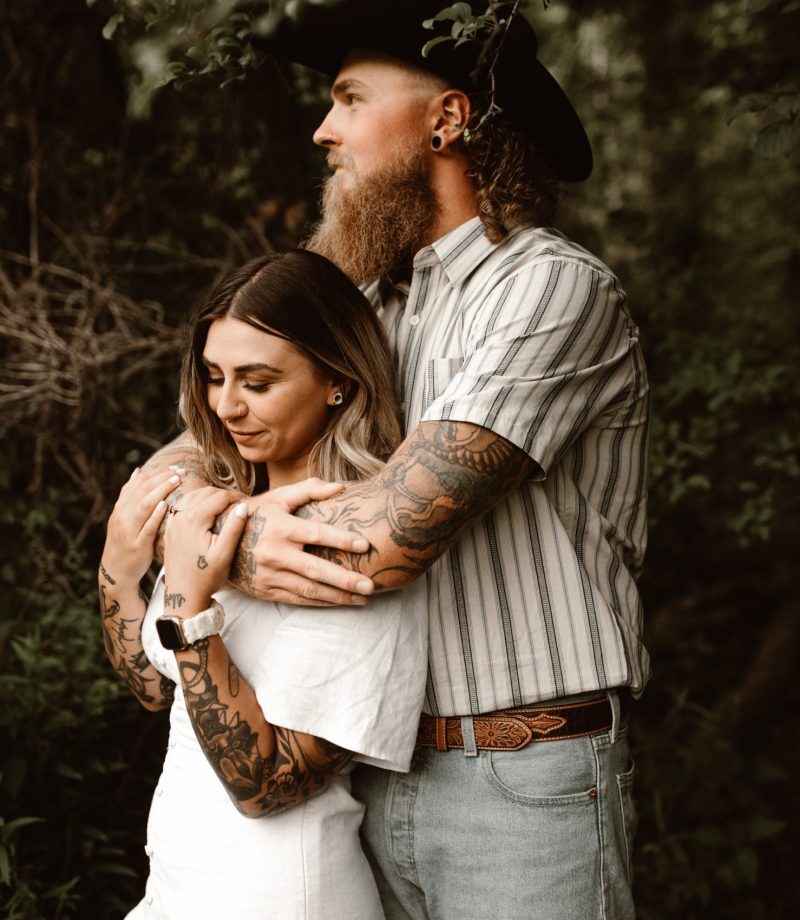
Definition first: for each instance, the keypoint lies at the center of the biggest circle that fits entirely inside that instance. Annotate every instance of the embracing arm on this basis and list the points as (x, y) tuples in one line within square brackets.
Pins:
[(127, 555), (264, 768), (441, 479)]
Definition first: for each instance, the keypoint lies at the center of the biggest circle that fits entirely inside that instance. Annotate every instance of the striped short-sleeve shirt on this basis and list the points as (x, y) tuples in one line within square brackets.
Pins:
[(531, 338)]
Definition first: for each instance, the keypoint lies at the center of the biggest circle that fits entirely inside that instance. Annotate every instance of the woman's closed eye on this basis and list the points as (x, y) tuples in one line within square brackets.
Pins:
[(252, 387)]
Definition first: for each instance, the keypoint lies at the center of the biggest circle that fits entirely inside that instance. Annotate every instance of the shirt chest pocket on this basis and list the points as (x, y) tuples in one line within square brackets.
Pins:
[(439, 372)]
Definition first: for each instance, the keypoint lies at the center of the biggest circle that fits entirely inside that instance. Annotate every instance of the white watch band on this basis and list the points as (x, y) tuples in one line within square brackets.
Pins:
[(206, 623)]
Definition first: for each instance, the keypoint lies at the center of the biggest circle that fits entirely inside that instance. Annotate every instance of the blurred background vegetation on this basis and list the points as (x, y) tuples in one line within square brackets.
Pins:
[(146, 148)]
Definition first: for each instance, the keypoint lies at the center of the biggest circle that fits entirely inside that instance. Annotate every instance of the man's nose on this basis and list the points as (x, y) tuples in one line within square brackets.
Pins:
[(325, 134)]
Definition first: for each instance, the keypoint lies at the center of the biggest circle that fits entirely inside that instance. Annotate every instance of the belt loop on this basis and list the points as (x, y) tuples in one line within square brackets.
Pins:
[(468, 734), (616, 715)]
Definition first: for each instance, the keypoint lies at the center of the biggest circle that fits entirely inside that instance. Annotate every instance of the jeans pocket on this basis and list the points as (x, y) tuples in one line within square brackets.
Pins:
[(628, 810), (548, 774)]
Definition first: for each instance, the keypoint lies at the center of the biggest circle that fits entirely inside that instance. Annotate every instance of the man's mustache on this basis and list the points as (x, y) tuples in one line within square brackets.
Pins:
[(337, 160)]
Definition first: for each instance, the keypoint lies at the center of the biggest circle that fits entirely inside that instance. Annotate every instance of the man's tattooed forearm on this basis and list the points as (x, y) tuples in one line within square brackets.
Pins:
[(174, 600), (443, 478), (299, 767)]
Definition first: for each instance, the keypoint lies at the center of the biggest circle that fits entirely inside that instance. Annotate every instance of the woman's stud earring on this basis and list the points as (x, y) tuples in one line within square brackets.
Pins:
[(338, 399), (436, 142)]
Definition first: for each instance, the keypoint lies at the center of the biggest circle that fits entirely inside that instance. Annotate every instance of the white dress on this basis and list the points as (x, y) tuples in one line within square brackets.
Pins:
[(354, 676)]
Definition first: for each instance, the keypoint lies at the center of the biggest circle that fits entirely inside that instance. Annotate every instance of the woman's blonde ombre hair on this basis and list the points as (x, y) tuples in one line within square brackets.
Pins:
[(306, 299)]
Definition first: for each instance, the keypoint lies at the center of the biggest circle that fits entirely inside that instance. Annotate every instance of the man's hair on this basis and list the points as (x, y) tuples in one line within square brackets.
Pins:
[(302, 297), (514, 181)]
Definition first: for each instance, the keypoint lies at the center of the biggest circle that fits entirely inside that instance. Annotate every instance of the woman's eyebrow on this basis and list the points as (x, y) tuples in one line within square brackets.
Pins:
[(245, 368)]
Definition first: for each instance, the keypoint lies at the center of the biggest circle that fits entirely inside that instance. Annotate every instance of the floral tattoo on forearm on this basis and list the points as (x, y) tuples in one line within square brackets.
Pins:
[(299, 766)]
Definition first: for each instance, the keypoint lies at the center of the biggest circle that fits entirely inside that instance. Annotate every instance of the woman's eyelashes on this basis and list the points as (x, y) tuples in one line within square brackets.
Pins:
[(252, 387)]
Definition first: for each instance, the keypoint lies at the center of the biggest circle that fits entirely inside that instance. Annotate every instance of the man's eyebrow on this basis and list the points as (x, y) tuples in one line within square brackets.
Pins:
[(245, 368), (340, 87)]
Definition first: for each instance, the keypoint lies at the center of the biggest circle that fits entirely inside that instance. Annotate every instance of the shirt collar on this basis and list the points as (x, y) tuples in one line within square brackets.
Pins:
[(458, 251)]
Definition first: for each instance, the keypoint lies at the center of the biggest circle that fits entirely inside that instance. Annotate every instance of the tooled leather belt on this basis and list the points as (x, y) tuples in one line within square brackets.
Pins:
[(513, 729)]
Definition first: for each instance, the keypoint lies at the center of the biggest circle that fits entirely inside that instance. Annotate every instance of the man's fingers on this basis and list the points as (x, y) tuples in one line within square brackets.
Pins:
[(312, 572), (294, 589), (301, 493), (314, 533)]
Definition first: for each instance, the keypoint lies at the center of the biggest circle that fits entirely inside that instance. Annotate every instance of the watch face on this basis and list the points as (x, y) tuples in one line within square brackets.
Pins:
[(170, 633)]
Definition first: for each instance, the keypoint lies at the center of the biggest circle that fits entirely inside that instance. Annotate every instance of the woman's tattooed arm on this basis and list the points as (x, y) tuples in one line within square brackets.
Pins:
[(122, 610), (264, 768)]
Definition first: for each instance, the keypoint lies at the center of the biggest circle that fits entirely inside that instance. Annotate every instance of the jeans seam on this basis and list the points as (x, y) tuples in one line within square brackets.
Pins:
[(601, 741)]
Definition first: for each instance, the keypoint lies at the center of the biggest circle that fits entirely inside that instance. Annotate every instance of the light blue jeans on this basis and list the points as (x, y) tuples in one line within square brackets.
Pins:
[(544, 833)]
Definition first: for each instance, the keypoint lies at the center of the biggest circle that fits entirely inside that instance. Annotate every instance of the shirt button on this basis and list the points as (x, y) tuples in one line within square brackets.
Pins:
[(413, 321)]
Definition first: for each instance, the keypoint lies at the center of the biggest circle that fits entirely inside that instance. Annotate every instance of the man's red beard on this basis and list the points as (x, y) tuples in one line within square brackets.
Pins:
[(374, 229)]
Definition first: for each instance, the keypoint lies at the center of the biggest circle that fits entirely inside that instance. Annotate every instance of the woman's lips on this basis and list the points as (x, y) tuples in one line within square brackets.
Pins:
[(242, 437)]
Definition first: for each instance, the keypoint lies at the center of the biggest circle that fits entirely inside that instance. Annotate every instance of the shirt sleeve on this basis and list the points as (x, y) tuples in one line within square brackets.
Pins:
[(354, 676), (548, 349)]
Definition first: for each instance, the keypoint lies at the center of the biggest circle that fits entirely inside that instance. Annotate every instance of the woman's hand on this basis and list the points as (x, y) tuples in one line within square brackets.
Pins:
[(134, 523), (197, 559)]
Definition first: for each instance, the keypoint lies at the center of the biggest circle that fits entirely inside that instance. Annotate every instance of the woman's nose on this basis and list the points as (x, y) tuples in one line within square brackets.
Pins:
[(230, 404)]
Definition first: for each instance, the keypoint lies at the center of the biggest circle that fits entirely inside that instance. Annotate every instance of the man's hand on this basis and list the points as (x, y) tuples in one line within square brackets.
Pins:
[(271, 562)]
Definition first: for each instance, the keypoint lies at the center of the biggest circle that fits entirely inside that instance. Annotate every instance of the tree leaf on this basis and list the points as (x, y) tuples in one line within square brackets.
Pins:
[(777, 139), (426, 48)]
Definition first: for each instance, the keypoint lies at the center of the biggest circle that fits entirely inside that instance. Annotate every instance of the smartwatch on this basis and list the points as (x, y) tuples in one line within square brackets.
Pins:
[(178, 633)]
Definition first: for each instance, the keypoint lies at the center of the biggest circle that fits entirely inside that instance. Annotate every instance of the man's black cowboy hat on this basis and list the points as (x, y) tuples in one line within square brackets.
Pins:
[(526, 92)]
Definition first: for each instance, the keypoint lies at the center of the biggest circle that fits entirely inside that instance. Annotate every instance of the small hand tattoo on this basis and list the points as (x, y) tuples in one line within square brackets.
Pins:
[(172, 600), (201, 562)]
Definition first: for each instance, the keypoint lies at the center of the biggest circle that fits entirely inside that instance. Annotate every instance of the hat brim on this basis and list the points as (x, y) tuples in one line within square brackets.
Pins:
[(528, 94)]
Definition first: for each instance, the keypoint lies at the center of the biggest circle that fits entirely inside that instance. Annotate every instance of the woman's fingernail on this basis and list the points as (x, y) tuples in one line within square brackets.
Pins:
[(364, 586), (360, 545), (135, 473), (241, 510), (160, 505), (178, 469), (174, 479), (358, 599)]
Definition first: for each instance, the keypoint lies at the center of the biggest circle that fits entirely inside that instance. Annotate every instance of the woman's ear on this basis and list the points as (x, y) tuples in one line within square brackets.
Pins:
[(339, 390)]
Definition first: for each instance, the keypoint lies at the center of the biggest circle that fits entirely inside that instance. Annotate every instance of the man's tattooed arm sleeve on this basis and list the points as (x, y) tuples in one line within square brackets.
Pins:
[(441, 479), (122, 610), (264, 768)]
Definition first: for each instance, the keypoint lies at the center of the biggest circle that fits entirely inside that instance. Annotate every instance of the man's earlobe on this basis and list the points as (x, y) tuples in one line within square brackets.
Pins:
[(436, 142)]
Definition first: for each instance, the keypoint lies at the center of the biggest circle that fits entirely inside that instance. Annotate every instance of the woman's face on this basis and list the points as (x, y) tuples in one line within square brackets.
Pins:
[(274, 401)]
